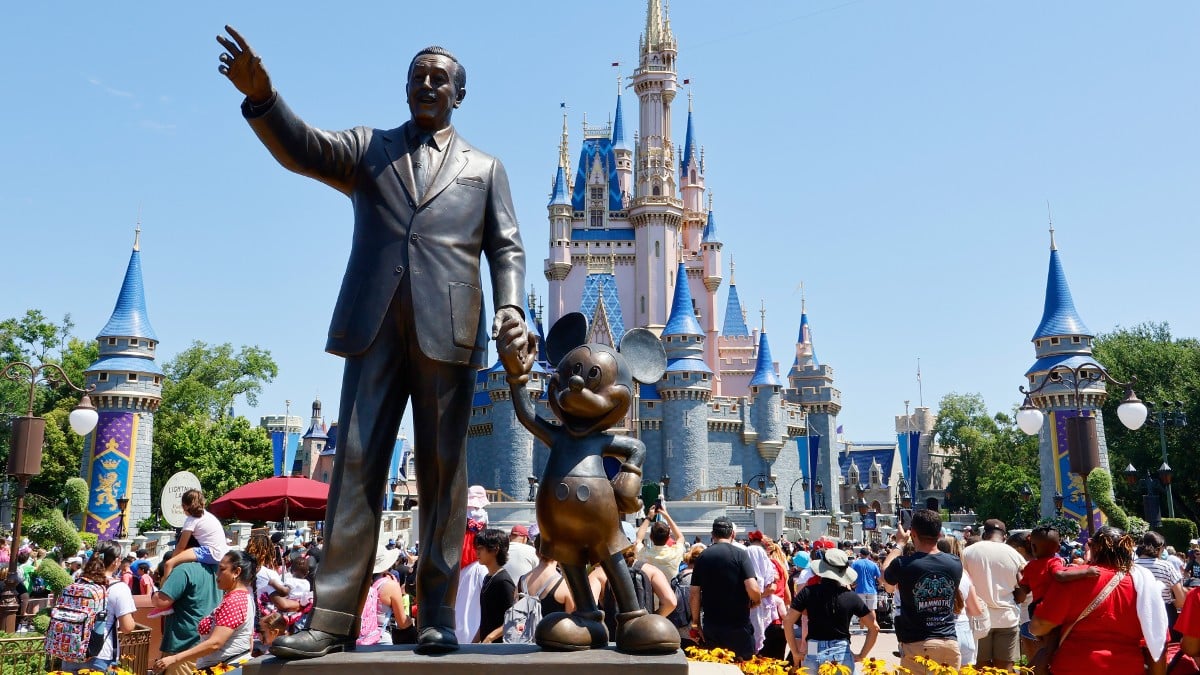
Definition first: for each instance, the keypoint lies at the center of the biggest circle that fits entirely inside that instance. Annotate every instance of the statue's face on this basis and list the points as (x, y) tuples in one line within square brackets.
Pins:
[(432, 96), (588, 392)]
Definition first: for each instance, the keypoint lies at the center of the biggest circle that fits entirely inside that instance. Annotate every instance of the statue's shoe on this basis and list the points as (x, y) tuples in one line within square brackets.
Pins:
[(436, 640), (640, 632), (564, 632), (309, 644)]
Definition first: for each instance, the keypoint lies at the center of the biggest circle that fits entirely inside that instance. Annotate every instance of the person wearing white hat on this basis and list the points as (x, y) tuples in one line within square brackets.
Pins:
[(385, 602), (829, 606)]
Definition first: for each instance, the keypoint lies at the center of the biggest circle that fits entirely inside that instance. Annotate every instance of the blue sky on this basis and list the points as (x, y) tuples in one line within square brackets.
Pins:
[(895, 157)]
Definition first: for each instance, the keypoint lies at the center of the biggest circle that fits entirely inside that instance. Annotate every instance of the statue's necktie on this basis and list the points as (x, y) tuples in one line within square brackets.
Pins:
[(420, 162)]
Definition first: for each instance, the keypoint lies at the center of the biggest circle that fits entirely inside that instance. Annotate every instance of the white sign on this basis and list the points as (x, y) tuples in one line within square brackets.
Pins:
[(172, 496)]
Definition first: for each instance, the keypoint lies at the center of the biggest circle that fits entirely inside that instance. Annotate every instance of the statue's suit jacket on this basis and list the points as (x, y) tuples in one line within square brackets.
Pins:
[(435, 238)]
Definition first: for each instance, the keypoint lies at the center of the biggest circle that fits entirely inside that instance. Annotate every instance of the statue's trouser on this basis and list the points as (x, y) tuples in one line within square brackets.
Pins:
[(376, 386)]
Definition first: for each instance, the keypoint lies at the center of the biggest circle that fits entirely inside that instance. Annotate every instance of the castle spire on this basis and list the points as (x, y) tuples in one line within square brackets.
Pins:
[(559, 196), (618, 128), (1059, 316), (690, 148), (682, 320), (129, 317), (764, 368), (654, 25), (564, 146)]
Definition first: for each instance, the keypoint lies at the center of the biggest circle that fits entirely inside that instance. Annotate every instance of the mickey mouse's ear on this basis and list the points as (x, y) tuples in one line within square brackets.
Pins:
[(644, 353), (566, 334)]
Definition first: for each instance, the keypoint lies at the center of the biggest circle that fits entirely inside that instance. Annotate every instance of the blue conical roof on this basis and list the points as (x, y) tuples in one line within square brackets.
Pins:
[(683, 315), (129, 317), (735, 323), (689, 147), (764, 368), (559, 196), (710, 229), (618, 129), (805, 353), (1059, 316)]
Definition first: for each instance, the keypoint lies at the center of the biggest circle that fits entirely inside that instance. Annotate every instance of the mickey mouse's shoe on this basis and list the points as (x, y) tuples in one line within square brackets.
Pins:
[(640, 632), (562, 632)]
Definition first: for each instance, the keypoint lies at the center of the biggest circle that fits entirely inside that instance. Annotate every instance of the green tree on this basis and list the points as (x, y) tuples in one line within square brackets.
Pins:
[(223, 453), (204, 380), (991, 458), (34, 339), (1167, 370), (192, 429)]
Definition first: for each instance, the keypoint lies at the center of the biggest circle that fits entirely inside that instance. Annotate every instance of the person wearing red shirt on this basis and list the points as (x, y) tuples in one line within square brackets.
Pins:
[(1109, 639), (1188, 624), (1047, 566)]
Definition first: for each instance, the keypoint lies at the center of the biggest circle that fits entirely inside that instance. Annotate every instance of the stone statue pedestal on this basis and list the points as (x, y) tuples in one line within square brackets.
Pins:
[(495, 659)]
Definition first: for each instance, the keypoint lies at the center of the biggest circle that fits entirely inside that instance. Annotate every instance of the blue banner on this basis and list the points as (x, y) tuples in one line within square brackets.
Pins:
[(277, 452), (289, 453), (902, 441), (814, 458), (914, 451), (1070, 485)]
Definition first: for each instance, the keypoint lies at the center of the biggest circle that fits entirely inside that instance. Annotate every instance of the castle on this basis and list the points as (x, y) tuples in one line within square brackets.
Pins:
[(633, 241)]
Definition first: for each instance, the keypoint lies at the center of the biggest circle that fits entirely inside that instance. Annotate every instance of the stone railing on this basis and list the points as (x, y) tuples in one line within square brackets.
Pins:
[(737, 495), (500, 496)]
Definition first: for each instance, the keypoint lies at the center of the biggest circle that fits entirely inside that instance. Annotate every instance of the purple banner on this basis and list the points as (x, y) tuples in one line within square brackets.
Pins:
[(1070, 485), (109, 472)]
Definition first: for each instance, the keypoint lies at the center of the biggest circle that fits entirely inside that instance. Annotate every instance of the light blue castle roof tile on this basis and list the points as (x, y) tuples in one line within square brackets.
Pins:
[(764, 368), (559, 196), (125, 364), (129, 317), (1059, 316), (710, 230), (603, 285), (618, 129), (682, 320), (735, 323)]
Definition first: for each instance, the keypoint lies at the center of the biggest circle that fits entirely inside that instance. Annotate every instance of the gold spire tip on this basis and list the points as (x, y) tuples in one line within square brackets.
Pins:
[(1050, 218), (137, 232)]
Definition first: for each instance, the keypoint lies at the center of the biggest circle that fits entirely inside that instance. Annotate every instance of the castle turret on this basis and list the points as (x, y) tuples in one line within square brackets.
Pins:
[(656, 213), (685, 391), (766, 399), (710, 256), (558, 262), (735, 345), (128, 390), (622, 152), (812, 387), (312, 443), (1062, 339)]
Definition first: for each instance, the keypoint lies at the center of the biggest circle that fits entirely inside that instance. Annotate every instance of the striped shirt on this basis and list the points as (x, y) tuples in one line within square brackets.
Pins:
[(1165, 572)]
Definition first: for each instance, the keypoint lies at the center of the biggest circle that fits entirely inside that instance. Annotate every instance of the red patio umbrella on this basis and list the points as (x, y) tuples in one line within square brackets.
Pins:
[(278, 498)]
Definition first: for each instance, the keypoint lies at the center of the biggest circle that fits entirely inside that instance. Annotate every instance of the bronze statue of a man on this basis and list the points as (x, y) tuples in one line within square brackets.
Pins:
[(408, 320)]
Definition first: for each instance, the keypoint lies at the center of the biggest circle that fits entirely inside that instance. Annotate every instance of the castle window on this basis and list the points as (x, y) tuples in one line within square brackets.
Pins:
[(133, 342), (596, 218), (132, 377), (112, 342), (157, 379), (649, 404), (596, 193), (1053, 341), (657, 249), (643, 304), (704, 376), (102, 377), (687, 376), (1075, 339)]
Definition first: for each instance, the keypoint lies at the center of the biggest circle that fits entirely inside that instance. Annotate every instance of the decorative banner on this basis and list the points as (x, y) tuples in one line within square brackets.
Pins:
[(109, 472), (914, 453), (814, 452), (1065, 482)]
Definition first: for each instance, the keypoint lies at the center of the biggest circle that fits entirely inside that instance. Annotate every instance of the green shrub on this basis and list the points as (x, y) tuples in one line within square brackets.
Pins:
[(41, 621), (56, 577), (1067, 527), (76, 492), (89, 538), (1179, 532)]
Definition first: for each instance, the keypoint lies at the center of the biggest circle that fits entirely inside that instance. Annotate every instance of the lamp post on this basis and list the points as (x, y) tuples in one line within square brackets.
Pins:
[(1058, 503), (1151, 504), (25, 460), (792, 491), (819, 488), (666, 483), (123, 505), (1083, 444), (1164, 416), (395, 483)]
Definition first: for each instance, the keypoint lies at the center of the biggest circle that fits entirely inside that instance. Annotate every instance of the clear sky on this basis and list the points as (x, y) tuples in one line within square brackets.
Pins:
[(895, 157)]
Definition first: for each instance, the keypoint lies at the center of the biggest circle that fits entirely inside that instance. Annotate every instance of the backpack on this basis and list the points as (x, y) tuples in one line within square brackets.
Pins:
[(522, 618), (76, 630), (681, 616), (370, 631), (641, 587)]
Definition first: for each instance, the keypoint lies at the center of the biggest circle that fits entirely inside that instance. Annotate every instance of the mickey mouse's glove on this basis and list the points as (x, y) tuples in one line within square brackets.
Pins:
[(627, 487)]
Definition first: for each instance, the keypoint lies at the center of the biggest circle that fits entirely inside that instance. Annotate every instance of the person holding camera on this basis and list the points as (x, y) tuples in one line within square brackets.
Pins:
[(667, 547)]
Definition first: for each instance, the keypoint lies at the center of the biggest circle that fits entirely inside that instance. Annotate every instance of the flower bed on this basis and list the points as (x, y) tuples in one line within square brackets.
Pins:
[(764, 666)]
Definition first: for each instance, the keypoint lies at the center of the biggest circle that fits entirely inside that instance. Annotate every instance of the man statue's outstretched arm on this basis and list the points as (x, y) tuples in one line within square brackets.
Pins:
[(330, 157)]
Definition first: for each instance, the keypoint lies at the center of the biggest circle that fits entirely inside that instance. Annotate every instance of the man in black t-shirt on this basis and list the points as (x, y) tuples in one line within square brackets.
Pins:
[(928, 581), (830, 604), (724, 588)]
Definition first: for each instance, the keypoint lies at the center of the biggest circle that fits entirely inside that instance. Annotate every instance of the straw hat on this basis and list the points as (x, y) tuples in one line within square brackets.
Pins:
[(835, 565)]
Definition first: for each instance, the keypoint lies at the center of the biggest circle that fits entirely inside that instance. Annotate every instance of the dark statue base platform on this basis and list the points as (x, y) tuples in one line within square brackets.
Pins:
[(499, 659)]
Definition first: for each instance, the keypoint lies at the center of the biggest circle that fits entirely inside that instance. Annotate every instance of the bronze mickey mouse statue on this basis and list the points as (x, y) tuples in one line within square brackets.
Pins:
[(579, 508)]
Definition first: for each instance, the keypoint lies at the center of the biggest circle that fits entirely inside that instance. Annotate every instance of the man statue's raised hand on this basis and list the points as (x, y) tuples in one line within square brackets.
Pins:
[(244, 68)]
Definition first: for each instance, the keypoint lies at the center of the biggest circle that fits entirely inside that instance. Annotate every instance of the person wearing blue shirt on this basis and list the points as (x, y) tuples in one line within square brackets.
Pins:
[(868, 576)]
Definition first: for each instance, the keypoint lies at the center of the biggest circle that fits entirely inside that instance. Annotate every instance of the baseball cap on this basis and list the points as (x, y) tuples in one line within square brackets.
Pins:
[(994, 525), (519, 531)]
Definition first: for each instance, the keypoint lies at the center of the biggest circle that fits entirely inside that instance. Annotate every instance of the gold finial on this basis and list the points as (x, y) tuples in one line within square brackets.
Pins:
[(800, 288), (762, 328), (689, 99), (731, 281), (710, 200), (1051, 219), (137, 231)]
